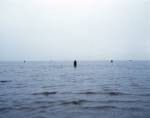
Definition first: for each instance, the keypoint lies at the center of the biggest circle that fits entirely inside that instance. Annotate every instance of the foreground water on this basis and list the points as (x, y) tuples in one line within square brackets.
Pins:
[(92, 90)]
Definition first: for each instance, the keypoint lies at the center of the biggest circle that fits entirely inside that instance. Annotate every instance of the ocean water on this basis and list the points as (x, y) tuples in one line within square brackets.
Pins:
[(97, 89)]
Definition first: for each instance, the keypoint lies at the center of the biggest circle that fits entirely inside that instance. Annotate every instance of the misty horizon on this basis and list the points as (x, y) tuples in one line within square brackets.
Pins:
[(68, 30)]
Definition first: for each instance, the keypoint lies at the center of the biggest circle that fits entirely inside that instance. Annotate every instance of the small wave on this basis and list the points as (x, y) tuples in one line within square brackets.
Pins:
[(122, 78), (124, 101), (133, 109), (89, 92), (45, 93), (24, 108), (75, 102), (116, 93), (5, 109), (32, 108), (49, 86), (108, 93), (107, 107), (20, 86), (144, 94), (102, 107), (5, 81), (84, 93), (134, 84), (44, 102)]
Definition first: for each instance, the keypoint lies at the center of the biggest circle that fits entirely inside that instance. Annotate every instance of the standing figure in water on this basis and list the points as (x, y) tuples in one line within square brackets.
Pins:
[(75, 63)]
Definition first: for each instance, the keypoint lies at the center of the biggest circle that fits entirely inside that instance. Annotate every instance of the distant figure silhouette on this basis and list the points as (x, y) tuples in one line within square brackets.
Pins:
[(24, 61), (75, 63), (111, 61)]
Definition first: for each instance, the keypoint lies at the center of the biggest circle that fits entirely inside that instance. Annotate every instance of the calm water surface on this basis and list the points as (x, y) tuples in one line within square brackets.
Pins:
[(92, 90)]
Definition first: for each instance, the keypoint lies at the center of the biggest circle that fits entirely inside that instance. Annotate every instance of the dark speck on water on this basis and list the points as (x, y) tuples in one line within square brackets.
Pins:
[(111, 61), (96, 89)]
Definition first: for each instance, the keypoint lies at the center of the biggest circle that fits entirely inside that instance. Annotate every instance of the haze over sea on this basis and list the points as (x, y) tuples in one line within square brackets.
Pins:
[(95, 89)]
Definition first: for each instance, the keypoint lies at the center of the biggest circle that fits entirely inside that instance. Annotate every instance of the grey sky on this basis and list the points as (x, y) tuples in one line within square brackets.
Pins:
[(74, 29)]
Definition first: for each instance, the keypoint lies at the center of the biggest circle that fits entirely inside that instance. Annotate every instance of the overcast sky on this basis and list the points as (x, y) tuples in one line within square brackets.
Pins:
[(74, 29)]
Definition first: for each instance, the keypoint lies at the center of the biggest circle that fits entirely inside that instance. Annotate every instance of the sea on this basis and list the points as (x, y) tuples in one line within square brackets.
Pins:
[(94, 89)]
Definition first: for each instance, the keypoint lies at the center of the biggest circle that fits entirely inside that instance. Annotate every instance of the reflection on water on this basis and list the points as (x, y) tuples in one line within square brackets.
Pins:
[(57, 90)]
